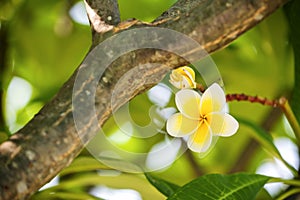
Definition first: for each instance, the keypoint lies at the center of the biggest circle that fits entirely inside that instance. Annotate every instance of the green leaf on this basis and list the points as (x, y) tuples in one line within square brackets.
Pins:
[(79, 183), (292, 10), (217, 186), (265, 139), (63, 195), (83, 164), (165, 187), (261, 136)]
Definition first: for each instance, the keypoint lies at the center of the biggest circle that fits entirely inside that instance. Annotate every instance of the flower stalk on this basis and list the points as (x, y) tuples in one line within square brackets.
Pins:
[(293, 182), (288, 112), (282, 103), (252, 99)]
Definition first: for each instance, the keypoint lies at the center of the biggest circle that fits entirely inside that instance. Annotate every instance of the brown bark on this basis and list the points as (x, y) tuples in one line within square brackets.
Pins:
[(49, 142)]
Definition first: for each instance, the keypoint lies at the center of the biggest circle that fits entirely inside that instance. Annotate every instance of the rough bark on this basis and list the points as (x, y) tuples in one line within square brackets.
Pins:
[(49, 142)]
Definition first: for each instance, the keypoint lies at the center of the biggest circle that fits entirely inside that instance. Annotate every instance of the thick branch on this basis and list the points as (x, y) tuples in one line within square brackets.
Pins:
[(212, 23), (107, 10), (49, 142), (103, 16)]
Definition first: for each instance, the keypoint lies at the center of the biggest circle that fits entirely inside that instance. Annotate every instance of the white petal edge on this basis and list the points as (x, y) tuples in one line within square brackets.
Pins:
[(188, 103), (186, 83), (216, 95), (191, 76), (223, 124), (178, 125)]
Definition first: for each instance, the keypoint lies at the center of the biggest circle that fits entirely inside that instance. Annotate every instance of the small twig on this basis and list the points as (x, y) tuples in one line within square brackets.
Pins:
[(200, 87), (252, 99), (292, 192), (288, 194), (286, 108), (282, 103)]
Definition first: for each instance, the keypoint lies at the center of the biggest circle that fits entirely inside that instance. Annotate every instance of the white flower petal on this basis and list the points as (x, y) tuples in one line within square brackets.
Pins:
[(222, 124), (212, 100), (201, 139), (177, 84), (188, 103), (189, 75), (189, 72), (179, 126), (186, 83)]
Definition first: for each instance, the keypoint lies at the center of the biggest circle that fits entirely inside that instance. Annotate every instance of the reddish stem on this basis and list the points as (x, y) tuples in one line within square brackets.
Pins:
[(252, 99)]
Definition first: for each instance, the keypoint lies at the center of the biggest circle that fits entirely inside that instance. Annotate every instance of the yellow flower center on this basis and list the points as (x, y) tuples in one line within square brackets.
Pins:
[(203, 118)]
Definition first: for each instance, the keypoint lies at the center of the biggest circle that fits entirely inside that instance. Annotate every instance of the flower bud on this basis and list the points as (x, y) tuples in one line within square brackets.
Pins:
[(183, 77)]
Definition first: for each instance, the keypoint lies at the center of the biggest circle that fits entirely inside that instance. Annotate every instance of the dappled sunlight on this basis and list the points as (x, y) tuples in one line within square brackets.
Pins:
[(18, 95), (275, 168), (52, 183), (78, 13), (168, 151), (160, 95), (115, 194)]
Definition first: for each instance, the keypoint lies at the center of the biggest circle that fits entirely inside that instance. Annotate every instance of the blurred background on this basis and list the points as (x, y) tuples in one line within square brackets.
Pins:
[(42, 43)]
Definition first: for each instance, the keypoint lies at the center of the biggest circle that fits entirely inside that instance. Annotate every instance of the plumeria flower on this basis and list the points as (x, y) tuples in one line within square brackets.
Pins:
[(201, 117), (183, 77)]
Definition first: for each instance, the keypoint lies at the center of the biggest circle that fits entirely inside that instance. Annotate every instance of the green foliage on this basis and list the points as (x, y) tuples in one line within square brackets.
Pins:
[(84, 173), (163, 186), (36, 53), (144, 10), (266, 141), (217, 186), (46, 45), (292, 10), (83, 164), (213, 186), (64, 195)]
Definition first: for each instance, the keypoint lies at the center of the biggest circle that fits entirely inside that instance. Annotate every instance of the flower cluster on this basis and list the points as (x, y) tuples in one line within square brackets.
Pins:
[(200, 117)]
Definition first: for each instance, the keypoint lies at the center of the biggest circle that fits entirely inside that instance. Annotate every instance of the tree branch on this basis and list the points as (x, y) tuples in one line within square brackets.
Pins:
[(49, 142), (103, 16)]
